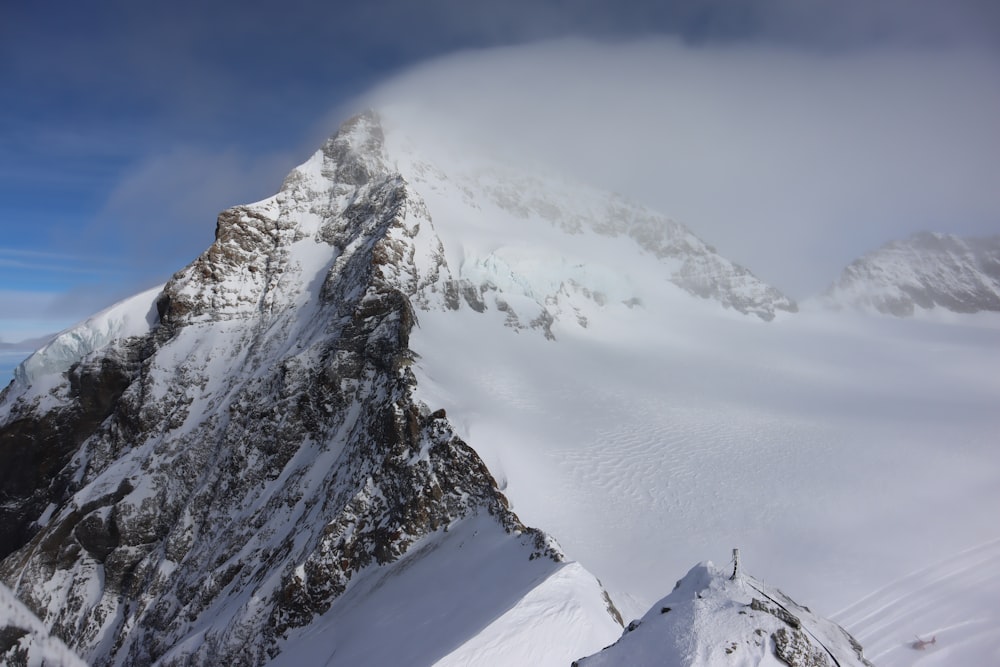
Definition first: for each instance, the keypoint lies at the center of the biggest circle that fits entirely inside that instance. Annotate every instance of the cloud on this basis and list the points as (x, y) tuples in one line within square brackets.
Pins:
[(162, 212), (27, 315), (791, 161)]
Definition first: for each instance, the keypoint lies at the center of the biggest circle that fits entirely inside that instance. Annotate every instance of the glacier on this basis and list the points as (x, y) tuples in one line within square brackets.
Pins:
[(373, 382)]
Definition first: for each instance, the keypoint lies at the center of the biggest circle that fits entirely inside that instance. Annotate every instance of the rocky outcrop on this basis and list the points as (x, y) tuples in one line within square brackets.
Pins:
[(191, 495), (923, 272), (37, 445), (198, 474), (24, 639)]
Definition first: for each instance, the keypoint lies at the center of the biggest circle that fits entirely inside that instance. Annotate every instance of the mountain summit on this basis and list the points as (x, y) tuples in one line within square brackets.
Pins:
[(249, 465), (713, 617), (203, 473), (923, 272)]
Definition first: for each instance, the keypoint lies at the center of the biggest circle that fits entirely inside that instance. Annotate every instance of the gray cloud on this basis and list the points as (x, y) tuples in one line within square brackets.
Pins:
[(162, 212), (767, 125), (793, 162)]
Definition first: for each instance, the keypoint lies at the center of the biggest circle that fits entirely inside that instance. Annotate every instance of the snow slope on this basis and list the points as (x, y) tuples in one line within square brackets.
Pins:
[(459, 598), (134, 316), (716, 617), (953, 602), (273, 469), (24, 640)]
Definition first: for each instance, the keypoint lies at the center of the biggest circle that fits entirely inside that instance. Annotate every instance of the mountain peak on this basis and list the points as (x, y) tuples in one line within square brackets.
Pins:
[(926, 271), (356, 149), (243, 460), (713, 617)]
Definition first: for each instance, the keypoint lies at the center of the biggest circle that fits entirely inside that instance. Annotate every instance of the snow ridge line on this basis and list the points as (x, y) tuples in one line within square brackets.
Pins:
[(802, 625), (989, 550)]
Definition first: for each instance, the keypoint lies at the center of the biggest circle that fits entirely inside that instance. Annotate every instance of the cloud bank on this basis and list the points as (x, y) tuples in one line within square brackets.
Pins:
[(790, 161)]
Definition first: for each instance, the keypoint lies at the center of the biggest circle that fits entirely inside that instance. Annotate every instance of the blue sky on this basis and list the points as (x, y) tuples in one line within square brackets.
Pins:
[(127, 126)]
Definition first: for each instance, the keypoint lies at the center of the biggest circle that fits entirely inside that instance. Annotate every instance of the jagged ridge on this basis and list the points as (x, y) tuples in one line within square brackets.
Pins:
[(714, 617), (923, 272), (195, 492)]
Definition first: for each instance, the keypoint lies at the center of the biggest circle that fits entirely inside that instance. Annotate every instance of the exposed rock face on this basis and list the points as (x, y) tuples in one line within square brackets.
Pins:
[(923, 272), (713, 619), (24, 639), (188, 496), (36, 446), (196, 474)]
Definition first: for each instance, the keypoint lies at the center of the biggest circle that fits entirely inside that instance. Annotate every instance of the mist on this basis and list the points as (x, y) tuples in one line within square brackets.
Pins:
[(792, 162)]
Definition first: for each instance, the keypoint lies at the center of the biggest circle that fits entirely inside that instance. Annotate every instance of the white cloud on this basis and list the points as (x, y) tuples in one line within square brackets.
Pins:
[(29, 314), (789, 161), (163, 211)]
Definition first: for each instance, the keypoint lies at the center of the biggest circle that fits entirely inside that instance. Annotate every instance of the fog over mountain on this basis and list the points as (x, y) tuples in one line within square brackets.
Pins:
[(792, 162), (428, 406), (923, 272)]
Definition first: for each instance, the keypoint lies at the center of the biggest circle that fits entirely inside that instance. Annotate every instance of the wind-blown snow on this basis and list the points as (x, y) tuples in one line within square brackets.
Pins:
[(134, 316), (437, 606), (838, 451)]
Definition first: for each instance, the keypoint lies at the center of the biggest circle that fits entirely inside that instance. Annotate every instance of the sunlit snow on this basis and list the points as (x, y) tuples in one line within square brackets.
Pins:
[(840, 451)]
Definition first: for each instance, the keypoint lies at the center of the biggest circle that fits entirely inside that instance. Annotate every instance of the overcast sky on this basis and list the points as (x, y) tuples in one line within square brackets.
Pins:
[(791, 134)]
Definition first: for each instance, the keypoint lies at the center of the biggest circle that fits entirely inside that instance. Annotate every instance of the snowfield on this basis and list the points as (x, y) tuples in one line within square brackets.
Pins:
[(624, 387), (840, 452)]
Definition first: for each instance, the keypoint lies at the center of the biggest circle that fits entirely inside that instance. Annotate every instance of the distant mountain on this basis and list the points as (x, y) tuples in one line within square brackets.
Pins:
[(250, 465), (923, 272), (234, 469), (712, 618)]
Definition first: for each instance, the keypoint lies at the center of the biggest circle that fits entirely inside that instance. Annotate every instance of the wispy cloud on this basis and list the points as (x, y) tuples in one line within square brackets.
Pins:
[(27, 314), (162, 212), (53, 262), (793, 162)]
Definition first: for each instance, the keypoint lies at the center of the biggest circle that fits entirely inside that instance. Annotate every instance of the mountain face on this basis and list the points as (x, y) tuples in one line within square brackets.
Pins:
[(482, 211), (923, 272), (24, 640), (235, 468), (204, 470), (714, 618)]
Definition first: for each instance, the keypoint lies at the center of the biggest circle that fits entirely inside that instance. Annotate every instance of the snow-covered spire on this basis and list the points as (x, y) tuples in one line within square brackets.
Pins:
[(710, 619)]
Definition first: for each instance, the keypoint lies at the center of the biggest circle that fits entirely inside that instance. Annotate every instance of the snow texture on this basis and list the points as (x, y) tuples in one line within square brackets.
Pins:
[(924, 272), (24, 640), (297, 447), (716, 617), (134, 316)]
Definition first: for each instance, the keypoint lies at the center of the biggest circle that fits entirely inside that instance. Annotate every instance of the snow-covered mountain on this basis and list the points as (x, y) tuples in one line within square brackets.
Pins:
[(716, 617), (925, 271), (200, 473), (309, 446), (24, 639)]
